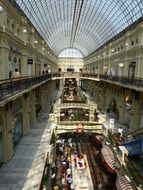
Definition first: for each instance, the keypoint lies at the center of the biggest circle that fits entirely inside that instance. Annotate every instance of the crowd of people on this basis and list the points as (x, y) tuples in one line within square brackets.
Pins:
[(64, 151), (68, 156)]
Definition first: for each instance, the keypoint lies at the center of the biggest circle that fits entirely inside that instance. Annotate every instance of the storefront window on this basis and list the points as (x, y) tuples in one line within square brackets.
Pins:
[(17, 132)]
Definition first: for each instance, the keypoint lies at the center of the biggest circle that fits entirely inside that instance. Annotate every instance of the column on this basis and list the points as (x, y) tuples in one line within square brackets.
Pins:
[(24, 63), (25, 114), (3, 16), (43, 96), (4, 52), (32, 107), (8, 134)]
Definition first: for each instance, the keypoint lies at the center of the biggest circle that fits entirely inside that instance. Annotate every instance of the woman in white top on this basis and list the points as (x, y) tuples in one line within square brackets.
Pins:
[(16, 74)]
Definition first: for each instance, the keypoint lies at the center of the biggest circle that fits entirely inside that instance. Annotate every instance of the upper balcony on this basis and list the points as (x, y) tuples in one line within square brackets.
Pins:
[(10, 89), (135, 83)]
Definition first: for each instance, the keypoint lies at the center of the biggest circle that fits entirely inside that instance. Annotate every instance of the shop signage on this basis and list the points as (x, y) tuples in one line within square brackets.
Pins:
[(112, 120), (132, 64), (30, 61)]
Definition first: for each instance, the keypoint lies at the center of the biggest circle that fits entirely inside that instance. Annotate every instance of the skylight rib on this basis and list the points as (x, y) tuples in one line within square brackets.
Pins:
[(95, 21)]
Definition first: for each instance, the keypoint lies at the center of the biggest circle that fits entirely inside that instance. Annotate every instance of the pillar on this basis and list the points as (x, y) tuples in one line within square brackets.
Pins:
[(43, 96), (25, 114), (8, 135), (32, 107)]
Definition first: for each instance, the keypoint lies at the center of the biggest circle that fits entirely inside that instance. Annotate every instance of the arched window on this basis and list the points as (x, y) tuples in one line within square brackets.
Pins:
[(71, 53), (8, 22), (15, 60), (9, 58), (13, 27)]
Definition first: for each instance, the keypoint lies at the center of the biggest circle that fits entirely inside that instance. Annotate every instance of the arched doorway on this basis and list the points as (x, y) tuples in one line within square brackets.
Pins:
[(17, 119), (113, 106), (114, 109)]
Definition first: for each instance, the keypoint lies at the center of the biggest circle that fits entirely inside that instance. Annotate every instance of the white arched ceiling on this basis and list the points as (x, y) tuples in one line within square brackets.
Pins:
[(81, 24)]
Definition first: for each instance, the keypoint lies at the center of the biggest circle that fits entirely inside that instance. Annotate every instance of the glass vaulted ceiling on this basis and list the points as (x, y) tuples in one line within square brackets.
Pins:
[(81, 24)]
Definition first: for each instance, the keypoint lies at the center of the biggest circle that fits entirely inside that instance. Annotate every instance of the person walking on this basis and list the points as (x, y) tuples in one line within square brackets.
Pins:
[(16, 76), (99, 186)]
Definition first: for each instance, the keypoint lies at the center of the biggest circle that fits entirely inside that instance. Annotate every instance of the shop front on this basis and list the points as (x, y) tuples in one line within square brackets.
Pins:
[(17, 131)]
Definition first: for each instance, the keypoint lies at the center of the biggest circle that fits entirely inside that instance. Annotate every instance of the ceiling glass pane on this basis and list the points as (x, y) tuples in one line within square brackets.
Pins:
[(81, 24), (70, 52)]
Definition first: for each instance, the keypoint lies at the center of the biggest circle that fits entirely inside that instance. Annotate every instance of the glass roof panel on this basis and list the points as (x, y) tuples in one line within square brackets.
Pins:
[(81, 24), (71, 52)]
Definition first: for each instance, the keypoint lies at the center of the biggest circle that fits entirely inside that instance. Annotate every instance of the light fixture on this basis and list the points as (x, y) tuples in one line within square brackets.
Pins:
[(24, 30), (121, 65), (36, 41), (1, 9)]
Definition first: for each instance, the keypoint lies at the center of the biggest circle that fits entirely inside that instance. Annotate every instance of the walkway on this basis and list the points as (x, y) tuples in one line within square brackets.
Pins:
[(25, 170), (82, 177), (87, 177)]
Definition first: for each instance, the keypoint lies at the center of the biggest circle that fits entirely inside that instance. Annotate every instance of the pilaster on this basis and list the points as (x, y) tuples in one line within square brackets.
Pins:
[(25, 114)]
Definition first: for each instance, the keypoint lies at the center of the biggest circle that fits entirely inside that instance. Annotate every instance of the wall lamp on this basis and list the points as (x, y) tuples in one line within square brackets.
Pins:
[(121, 65), (1, 9), (24, 30)]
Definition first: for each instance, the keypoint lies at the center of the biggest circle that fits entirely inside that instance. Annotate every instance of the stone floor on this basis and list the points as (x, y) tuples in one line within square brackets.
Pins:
[(24, 171)]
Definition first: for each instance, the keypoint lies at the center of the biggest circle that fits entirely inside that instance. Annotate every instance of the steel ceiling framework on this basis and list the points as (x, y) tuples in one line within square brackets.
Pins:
[(81, 24)]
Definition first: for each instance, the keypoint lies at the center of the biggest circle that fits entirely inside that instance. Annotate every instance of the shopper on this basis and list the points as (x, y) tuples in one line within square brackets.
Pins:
[(16, 74), (99, 186)]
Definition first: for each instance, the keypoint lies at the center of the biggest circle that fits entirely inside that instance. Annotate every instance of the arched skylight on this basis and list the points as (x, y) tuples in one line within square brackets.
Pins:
[(81, 24), (71, 53)]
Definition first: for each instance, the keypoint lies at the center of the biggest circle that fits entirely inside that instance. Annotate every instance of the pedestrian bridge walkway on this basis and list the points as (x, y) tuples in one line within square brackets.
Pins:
[(82, 177)]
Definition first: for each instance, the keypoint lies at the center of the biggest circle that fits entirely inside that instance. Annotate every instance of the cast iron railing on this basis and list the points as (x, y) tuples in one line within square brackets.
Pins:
[(137, 81), (10, 87)]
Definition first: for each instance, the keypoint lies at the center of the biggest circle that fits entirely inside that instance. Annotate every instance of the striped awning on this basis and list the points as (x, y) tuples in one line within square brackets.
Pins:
[(99, 137), (123, 184), (109, 157)]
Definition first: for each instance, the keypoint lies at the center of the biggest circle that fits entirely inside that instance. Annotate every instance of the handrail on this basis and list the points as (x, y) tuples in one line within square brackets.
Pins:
[(136, 132), (124, 80), (127, 80), (9, 87)]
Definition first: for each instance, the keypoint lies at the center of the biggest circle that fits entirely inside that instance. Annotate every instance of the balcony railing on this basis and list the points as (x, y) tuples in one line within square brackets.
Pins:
[(10, 87), (125, 80)]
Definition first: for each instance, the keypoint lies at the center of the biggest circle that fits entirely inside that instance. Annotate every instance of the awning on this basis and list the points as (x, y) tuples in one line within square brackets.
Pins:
[(123, 184), (109, 157)]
